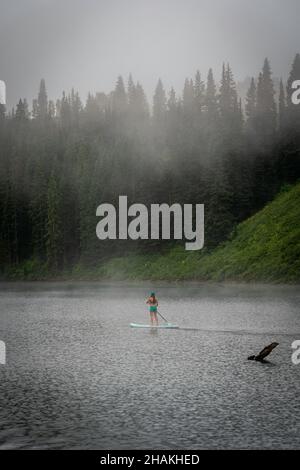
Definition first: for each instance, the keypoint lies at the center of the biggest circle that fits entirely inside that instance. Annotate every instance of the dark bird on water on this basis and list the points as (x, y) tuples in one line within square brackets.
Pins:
[(264, 353)]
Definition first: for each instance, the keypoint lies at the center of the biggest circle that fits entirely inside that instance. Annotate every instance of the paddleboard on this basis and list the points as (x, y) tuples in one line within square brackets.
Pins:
[(164, 325)]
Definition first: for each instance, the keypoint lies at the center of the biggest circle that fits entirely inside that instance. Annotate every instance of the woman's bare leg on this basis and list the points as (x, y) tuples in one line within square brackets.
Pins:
[(156, 318), (151, 318)]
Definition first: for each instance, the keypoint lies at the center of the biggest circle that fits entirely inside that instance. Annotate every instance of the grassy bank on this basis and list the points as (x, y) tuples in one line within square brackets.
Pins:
[(264, 248)]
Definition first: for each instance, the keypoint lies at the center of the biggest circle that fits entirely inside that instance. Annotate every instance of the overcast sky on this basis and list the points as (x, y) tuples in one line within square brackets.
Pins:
[(86, 44)]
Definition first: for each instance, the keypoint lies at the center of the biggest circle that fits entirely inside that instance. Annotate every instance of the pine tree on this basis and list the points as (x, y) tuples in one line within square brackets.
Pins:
[(211, 98), (38, 211), (172, 101), (159, 104), (102, 102), (119, 98), (230, 112), (76, 107), (281, 107), (65, 111), (141, 104), (21, 111), (54, 226), (224, 97), (188, 98), (42, 101), (173, 120), (131, 93), (91, 109), (137, 103), (266, 114), (199, 93), (250, 107)]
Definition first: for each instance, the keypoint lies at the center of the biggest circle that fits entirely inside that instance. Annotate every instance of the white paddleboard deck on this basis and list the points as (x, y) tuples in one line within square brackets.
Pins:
[(165, 325)]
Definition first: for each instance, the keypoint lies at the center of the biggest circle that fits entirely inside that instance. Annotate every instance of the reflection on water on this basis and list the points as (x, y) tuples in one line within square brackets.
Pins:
[(78, 377)]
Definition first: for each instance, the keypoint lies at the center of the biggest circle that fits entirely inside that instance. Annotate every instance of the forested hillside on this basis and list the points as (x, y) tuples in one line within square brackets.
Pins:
[(59, 161), (266, 247)]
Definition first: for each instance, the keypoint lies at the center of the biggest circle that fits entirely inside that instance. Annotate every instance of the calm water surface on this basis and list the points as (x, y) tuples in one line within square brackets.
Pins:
[(78, 377)]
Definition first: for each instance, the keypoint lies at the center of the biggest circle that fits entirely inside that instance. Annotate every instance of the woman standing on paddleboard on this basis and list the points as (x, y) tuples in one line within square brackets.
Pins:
[(153, 304)]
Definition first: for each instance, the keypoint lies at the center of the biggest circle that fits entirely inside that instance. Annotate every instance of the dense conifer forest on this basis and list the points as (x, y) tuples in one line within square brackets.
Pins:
[(60, 160)]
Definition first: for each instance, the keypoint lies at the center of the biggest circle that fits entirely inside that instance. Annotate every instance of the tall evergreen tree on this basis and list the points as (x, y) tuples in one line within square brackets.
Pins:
[(65, 111), (159, 104), (172, 101), (38, 211), (228, 102), (22, 111), (188, 98), (54, 241), (211, 98), (76, 106), (266, 114), (91, 109), (281, 107), (141, 104), (199, 93), (42, 101), (250, 107), (119, 98), (137, 102), (131, 92)]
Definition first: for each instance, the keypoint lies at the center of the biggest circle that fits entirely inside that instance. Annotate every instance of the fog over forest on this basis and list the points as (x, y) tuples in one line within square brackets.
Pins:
[(164, 102), (60, 160)]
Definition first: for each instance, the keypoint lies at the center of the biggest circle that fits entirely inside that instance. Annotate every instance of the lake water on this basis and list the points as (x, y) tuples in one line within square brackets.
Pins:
[(77, 376)]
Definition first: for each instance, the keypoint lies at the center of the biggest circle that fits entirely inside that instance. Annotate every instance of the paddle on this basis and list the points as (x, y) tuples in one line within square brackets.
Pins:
[(162, 317)]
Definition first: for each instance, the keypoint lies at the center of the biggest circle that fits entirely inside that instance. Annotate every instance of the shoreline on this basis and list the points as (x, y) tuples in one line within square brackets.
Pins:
[(142, 282)]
